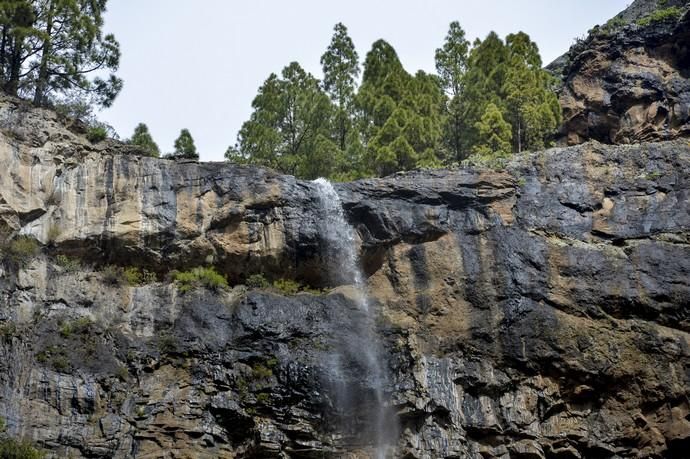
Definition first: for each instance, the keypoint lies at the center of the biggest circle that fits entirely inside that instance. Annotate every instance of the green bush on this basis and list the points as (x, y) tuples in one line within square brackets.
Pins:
[(167, 344), (61, 364), (14, 449), (257, 281), (112, 274), (137, 276), (78, 326), (129, 275), (8, 330), (69, 264), (199, 277), (613, 24), (660, 15), (122, 373), (21, 250), (260, 371), (287, 286), (96, 134)]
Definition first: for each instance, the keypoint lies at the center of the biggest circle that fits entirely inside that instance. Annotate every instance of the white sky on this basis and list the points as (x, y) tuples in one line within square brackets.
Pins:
[(197, 64)]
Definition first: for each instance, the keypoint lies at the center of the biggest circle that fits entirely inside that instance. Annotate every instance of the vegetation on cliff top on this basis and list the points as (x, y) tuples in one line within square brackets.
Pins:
[(490, 99)]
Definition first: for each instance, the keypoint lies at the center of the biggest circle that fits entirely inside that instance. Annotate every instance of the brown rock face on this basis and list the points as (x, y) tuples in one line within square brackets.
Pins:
[(629, 83), (536, 312)]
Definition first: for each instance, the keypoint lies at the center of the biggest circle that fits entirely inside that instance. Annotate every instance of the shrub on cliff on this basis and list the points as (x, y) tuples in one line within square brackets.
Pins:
[(135, 276), (16, 449), (257, 281), (96, 134), (660, 15), (199, 277), (19, 251)]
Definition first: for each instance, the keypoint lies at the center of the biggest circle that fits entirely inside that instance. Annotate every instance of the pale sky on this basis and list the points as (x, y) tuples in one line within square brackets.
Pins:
[(197, 64)]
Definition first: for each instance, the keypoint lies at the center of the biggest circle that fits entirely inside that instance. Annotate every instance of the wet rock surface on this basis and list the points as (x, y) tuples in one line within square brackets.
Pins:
[(535, 312)]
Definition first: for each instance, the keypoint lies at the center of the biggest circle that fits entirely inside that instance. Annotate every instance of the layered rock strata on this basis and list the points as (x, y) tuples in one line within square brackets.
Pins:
[(535, 312)]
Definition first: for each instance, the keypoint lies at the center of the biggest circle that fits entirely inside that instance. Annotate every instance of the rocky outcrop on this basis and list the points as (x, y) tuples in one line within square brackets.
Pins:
[(535, 312), (629, 80)]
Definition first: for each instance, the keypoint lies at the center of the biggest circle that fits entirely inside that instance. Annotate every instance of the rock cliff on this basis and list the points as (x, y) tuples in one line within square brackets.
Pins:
[(628, 81), (536, 312)]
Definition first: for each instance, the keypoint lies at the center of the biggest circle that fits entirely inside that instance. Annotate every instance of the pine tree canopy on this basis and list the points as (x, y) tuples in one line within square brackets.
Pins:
[(54, 51), (184, 146), (142, 138), (489, 99)]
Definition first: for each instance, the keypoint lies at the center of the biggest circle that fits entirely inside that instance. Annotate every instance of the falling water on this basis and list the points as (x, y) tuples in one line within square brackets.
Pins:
[(344, 268)]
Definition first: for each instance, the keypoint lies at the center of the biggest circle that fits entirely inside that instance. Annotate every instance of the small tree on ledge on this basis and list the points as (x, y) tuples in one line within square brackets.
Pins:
[(184, 146)]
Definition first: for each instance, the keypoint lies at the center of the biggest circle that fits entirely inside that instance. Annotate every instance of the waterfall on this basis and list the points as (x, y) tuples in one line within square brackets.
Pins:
[(342, 255)]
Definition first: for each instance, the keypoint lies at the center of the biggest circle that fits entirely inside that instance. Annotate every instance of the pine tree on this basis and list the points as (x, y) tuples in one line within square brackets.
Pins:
[(483, 84), (340, 71), (49, 50), (451, 60), (400, 115), (17, 18), (426, 102), (451, 65), (290, 126), (184, 146), (384, 83), (493, 134), (531, 105), (142, 138)]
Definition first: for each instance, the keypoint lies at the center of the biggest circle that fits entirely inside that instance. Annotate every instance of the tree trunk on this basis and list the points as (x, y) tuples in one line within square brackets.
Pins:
[(42, 81), (519, 139), (456, 139), (12, 86), (3, 55)]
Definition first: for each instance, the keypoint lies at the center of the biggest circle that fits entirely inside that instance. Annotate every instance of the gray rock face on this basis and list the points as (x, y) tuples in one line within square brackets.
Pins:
[(628, 82), (537, 312)]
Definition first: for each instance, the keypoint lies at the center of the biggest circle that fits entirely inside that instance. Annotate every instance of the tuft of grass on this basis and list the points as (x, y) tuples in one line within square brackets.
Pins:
[(261, 371), (112, 274), (69, 264), (79, 327), (287, 286), (129, 275), (61, 364), (167, 344), (8, 331), (53, 233), (199, 277), (122, 373)]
